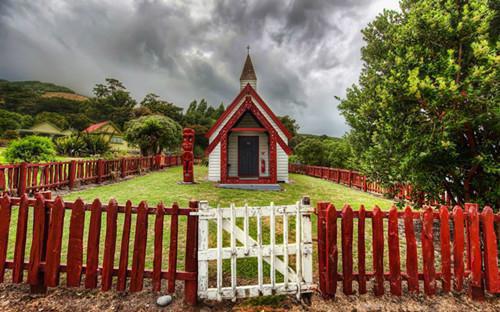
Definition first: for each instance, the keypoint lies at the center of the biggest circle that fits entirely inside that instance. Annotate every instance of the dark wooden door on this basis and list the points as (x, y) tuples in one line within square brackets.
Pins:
[(248, 156)]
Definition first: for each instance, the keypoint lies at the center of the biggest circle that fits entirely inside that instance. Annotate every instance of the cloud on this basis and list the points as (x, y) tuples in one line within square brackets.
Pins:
[(304, 52)]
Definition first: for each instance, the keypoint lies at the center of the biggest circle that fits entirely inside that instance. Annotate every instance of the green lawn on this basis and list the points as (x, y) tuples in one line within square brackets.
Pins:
[(163, 186)]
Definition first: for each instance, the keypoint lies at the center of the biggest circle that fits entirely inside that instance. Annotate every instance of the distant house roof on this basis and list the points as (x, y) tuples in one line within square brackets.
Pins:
[(96, 127), (45, 128)]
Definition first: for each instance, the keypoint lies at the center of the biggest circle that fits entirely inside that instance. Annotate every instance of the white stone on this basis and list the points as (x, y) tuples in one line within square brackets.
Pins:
[(164, 301)]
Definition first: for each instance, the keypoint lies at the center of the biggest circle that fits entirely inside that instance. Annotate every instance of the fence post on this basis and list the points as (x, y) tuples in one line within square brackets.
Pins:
[(364, 184), (100, 170), (124, 168), (191, 261), (350, 178), (21, 186), (72, 173)]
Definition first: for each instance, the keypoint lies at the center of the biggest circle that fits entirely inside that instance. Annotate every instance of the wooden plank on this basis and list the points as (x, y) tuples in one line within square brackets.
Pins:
[(331, 251), (34, 272), (75, 244), (490, 251), (20, 247), (378, 251), (93, 245), (233, 249), (172, 253), (444, 236), (298, 251), (394, 255), (411, 252), (109, 245), (54, 243), (122, 269), (158, 247), (5, 212), (458, 248), (476, 290), (428, 252), (361, 251), (203, 246), (191, 260), (140, 240), (347, 229), (321, 228), (219, 252)]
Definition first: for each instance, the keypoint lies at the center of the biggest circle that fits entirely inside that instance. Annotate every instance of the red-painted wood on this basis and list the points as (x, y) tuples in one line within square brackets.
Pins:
[(490, 251), (322, 253), (332, 251), (191, 260), (35, 277), (411, 252), (428, 252), (22, 226), (140, 240), (124, 249), (361, 251), (444, 236), (458, 248), (54, 243), (93, 245), (157, 260), (109, 245), (172, 254), (394, 255), (476, 289), (75, 245), (5, 212), (378, 251), (347, 229)]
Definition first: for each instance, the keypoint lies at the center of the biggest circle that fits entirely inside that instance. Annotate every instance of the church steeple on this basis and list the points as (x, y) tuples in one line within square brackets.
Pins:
[(248, 73)]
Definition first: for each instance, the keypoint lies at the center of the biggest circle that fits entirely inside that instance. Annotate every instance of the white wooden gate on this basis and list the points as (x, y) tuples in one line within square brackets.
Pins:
[(242, 245)]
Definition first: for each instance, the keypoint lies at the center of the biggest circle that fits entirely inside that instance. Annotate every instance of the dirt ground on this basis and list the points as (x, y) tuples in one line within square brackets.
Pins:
[(17, 298)]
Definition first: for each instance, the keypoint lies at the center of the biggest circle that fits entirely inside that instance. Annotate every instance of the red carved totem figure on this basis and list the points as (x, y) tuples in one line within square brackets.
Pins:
[(187, 154)]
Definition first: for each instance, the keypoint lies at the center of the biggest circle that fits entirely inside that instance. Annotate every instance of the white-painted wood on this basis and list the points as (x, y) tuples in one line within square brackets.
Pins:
[(203, 245), (214, 164), (232, 152), (281, 164), (294, 282)]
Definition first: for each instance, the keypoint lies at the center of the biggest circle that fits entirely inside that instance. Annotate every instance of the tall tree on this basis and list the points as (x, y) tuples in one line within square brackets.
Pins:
[(427, 110), (159, 106), (112, 102)]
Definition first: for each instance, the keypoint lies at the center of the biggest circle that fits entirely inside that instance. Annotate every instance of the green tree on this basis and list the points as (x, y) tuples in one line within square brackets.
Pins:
[(158, 106), (30, 149), (111, 102), (13, 121), (54, 118), (426, 110), (154, 133)]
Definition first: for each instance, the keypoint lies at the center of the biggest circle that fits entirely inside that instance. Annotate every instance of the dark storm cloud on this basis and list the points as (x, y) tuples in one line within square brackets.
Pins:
[(305, 52)]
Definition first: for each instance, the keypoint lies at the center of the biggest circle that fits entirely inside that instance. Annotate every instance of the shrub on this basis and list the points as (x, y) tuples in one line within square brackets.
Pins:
[(30, 149), (95, 145), (72, 145)]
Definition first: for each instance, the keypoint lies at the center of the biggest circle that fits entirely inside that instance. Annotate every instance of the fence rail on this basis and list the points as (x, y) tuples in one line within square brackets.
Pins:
[(357, 180), (17, 179), (45, 256), (462, 234)]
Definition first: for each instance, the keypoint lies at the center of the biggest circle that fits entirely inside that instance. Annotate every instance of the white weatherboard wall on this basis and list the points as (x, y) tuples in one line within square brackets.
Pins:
[(214, 164), (282, 164)]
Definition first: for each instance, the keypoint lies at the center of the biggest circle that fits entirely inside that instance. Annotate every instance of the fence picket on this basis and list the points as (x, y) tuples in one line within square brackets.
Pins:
[(75, 245), (233, 251), (140, 239), (361, 251), (109, 245), (490, 251), (322, 254), (476, 288), (378, 251), (298, 249), (331, 250), (5, 212), (411, 251), (124, 249), (93, 245), (20, 247), (172, 255), (191, 260), (394, 255), (428, 252), (347, 227), (219, 253), (458, 248), (54, 243), (444, 236), (34, 272), (158, 247)]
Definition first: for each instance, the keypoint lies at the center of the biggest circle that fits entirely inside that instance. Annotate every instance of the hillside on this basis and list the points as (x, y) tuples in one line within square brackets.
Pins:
[(33, 85), (65, 95)]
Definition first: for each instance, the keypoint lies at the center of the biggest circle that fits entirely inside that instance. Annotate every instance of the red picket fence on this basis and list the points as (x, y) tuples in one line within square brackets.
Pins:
[(355, 179), (31, 178), (468, 235), (45, 256)]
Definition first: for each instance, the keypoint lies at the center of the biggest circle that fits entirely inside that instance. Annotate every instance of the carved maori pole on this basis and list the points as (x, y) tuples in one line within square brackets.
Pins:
[(188, 155)]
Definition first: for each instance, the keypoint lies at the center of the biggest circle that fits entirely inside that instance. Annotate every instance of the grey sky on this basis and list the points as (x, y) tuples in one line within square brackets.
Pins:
[(304, 52)]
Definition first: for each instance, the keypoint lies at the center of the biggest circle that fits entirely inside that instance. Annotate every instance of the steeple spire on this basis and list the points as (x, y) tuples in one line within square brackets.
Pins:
[(248, 75)]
